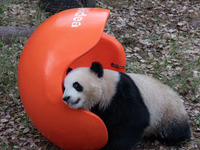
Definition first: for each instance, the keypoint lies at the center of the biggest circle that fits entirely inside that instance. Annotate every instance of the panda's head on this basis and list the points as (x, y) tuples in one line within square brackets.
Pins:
[(83, 86)]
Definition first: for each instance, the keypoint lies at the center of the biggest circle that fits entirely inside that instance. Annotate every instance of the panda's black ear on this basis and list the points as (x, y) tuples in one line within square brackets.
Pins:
[(97, 68), (68, 70)]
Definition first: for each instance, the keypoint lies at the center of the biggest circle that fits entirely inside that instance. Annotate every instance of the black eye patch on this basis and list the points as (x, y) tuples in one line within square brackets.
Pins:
[(63, 88), (77, 86)]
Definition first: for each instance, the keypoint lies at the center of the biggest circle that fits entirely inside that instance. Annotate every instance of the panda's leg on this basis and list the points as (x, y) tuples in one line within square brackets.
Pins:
[(122, 138), (175, 133)]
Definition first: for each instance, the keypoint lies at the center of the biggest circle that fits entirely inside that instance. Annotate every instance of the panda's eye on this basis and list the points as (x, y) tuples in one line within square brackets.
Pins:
[(77, 86)]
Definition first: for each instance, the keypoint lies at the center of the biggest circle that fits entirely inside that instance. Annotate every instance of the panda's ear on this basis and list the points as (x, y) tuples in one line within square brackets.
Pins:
[(68, 70), (97, 68)]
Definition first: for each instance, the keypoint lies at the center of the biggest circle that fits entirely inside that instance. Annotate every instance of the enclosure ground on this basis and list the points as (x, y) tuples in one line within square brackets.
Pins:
[(161, 38)]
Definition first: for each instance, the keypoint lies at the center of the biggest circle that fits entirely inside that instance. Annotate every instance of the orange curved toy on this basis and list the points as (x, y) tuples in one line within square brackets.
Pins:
[(72, 38)]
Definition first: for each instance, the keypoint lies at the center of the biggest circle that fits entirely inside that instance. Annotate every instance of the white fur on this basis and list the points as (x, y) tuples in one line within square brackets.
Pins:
[(95, 89), (109, 84), (163, 103)]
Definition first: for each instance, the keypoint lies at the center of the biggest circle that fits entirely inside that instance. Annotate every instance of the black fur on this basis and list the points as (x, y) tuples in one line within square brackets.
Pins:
[(126, 117), (68, 70), (175, 133), (97, 69), (77, 86)]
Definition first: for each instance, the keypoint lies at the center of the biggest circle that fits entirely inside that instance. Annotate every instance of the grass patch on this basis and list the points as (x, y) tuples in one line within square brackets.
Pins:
[(15, 13), (4, 146), (115, 3), (174, 70), (167, 57), (128, 41), (9, 57), (22, 13), (156, 45)]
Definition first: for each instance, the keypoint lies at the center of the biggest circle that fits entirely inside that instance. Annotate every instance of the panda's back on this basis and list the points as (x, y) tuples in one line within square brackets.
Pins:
[(163, 103)]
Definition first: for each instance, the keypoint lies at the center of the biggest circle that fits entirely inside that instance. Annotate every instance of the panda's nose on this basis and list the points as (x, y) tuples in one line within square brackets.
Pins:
[(66, 98)]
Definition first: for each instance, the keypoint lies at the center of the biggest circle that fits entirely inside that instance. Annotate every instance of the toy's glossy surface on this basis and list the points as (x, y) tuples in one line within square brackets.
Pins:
[(72, 38)]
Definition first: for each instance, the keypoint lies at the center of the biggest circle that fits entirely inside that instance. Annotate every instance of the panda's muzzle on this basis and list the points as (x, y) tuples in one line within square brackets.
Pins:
[(66, 98), (69, 102)]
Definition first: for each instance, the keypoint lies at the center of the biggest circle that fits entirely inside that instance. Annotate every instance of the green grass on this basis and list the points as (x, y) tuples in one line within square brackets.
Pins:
[(181, 80), (24, 14), (21, 13), (115, 3), (198, 119), (9, 57), (128, 41), (172, 62), (4, 146), (15, 13)]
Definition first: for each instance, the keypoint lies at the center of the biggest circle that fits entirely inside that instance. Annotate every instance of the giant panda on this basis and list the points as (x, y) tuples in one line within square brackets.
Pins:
[(132, 106)]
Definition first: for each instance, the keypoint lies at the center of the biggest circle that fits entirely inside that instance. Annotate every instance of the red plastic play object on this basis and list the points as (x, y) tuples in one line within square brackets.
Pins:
[(72, 38)]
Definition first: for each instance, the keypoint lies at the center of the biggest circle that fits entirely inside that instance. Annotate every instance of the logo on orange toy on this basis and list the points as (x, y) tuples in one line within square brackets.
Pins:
[(79, 16)]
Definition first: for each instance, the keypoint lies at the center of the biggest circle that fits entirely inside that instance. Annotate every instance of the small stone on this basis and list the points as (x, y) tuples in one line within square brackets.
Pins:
[(195, 24), (26, 130), (16, 147), (162, 148), (3, 120)]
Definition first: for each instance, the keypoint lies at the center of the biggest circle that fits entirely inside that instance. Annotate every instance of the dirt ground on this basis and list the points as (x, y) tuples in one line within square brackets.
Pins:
[(161, 38)]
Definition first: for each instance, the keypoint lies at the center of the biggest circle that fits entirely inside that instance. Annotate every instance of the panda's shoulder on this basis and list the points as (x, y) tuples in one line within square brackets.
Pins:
[(125, 81), (127, 88)]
